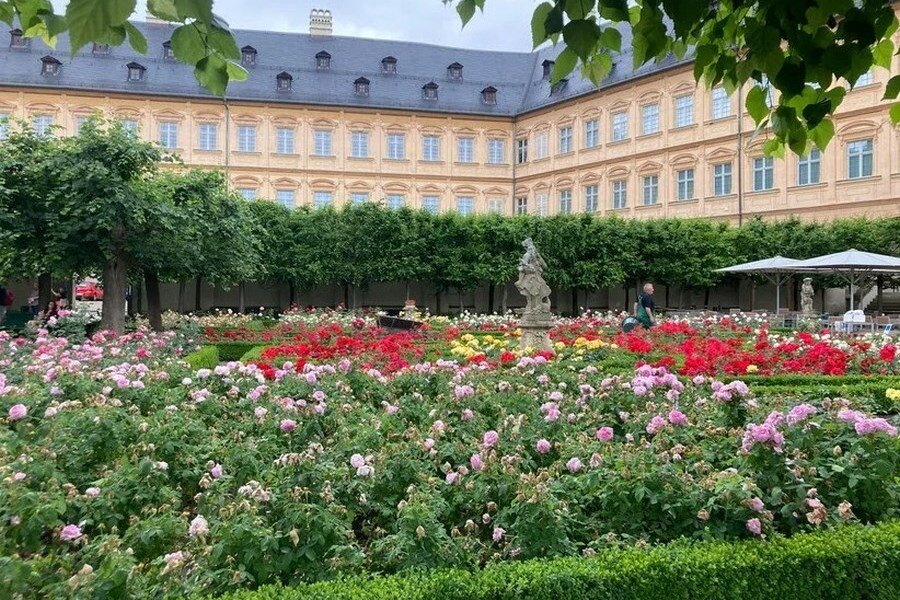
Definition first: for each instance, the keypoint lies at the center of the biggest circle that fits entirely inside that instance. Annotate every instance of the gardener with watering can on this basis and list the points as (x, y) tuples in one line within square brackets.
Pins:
[(645, 308)]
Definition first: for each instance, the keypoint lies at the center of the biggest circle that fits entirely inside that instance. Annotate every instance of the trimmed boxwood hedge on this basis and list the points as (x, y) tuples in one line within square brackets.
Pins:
[(206, 357), (849, 563), (229, 351)]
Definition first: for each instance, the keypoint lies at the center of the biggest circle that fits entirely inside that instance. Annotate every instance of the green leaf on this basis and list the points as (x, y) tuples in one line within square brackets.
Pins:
[(538, 23), (565, 64), (895, 113), (188, 45), (774, 147), (579, 9), (611, 39), (466, 10), (814, 113), (136, 38), (164, 9), (7, 13), (235, 71), (92, 19), (892, 89), (756, 104), (194, 9), (882, 53), (598, 67), (212, 73), (221, 40), (614, 10), (581, 37)]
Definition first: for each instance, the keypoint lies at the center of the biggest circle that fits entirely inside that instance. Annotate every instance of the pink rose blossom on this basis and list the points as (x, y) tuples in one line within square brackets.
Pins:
[(92, 492), (288, 425), (605, 434), (754, 526), (357, 461), (477, 462), (498, 534), (491, 438), (70, 533), (17, 412), (574, 465), (656, 425), (756, 505), (676, 417), (428, 444), (542, 446), (199, 527), (216, 471)]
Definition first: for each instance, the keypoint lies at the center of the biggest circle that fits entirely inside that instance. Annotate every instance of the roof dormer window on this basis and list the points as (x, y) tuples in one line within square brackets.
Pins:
[(283, 81), (548, 68), (135, 71), (454, 71), (430, 91), (489, 95), (323, 60), (361, 87), (248, 56), (388, 64), (100, 48), (50, 66), (17, 39), (168, 53)]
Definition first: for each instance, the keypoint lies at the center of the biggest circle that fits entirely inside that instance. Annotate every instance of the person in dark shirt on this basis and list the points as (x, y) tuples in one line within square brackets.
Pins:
[(645, 308)]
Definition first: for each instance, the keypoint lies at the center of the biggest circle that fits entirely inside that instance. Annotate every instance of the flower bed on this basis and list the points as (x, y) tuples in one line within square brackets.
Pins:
[(125, 471)]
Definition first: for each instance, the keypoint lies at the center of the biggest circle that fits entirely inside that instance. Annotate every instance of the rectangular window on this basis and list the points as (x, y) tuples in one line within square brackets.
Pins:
[(79, 121), (431, 148), (284, 140), (763, 173), (396, 146), (431, 204), (619, 194), (684, 110), (721, 103), (565, 202), (684, 184), (651, 190), (649, 119), (522, 150), (359, 144), (465, 150), (465, 205), (808, 168), (209, 136), (866, 78), (130, 125), (322, 142), (859, 159), (565, 140), (4, 126), (541, 149), (591, 133), (522, 205), (396, 201), (591, 198), (619, 126), (247, 193), (541, 201), (495, 205), (722, 179), (496, 152), (43, 124), (246, 138), (359, 197), (285, 198), (321, 199), (168, 135)]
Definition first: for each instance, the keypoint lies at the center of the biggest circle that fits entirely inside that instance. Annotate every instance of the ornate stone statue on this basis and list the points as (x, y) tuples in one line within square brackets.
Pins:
[(806, 297), (536, 318)]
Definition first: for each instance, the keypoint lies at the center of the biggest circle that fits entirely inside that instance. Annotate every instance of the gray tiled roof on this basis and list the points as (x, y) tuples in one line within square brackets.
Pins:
[(516, 75)]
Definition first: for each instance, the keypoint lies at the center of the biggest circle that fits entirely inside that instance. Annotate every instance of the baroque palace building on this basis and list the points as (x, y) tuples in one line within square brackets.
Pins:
[(328, 120)]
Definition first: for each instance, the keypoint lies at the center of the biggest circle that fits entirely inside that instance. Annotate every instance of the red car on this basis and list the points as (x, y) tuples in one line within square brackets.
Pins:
[(88, 291)]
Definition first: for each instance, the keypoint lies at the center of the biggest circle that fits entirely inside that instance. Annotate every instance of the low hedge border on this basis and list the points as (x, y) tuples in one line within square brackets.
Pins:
[(229, 351), (852, 562), (206, 357)]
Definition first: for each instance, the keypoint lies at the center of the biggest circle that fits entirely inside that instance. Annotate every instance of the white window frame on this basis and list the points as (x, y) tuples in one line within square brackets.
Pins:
[(522, 205), (722, 179), (286, 198), (357, 198), (808, 165), (208, 134), (650, 118), (591, 198), (684, 184), (168, 134), (565, 202), (495, 205), (322, 142), (359, 144), (431, 204), (619, 126), (721, 103), (591, 133), (565, 139), (684, 110), (763, 173), (542, 206), (867, 78), (857, 152), (522, 150), (650, 190), (246, 138), (284, 140), (4, 125), (395, 201), (396, 146), (431, 148), (248, 194), (541, 145), (465, 205), (496, 151), (465, 149), (620, 194), (322, 199), (130, 125)]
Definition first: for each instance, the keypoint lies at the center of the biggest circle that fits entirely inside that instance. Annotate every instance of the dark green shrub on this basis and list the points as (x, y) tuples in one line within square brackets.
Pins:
[(844, 564), (229, 351)]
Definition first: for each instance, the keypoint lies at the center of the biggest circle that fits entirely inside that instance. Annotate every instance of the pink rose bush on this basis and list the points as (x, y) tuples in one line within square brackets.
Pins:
[(281, 472)]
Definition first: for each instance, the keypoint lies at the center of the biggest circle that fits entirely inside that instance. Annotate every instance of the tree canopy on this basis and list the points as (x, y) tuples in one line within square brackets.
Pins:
[(804, 49)]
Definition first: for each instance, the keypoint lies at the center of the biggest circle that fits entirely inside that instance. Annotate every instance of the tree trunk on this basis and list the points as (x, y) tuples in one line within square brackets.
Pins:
[(115, 280), (241, 297), (880, 302), (460, 294), (292, 293), (154, 310), (437, 302), (182, 285), (491, 287), (45, 286), (627, 303), (574, 302), (681, 297), (139, 301), (752, 295), (706, 299), (346, 295), (198, 305), (667, 296), (129, 295), (503, 298), (407, 290)]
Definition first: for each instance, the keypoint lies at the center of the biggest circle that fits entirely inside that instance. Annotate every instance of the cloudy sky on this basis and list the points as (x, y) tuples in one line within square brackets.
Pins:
[(504, 25)]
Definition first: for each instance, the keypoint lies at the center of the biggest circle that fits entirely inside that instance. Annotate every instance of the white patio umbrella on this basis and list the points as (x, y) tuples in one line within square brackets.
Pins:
[(853, 265), (777, 269)]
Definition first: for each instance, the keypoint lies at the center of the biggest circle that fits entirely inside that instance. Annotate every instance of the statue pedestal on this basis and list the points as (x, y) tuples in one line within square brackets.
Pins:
[(535, 335)]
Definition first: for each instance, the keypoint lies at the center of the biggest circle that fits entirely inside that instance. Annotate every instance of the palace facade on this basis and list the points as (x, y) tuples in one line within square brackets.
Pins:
[(328, 120)]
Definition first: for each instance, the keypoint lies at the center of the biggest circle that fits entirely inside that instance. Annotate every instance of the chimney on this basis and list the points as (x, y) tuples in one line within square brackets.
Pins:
[(320, 22)]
